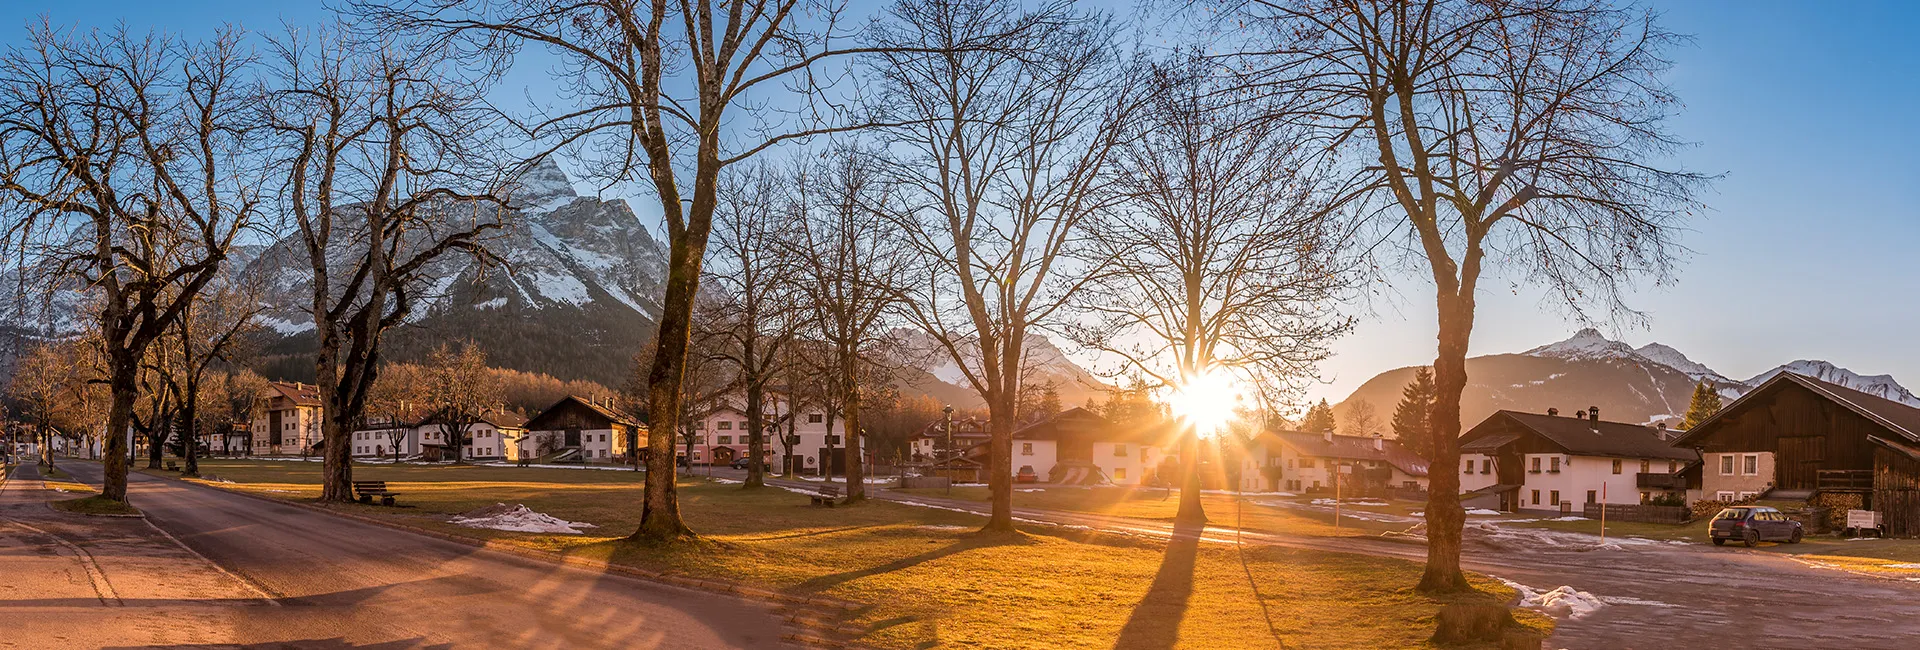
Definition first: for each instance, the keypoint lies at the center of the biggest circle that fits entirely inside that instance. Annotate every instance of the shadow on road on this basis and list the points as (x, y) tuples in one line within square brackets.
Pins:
[(1155, 622)]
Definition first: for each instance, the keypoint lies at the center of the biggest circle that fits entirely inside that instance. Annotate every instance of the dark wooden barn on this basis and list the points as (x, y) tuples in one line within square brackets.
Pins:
[(1896, 485), (1817, 432)]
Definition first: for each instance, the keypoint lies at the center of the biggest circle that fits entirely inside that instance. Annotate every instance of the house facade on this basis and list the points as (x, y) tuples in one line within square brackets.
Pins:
[(577, 429), (797, 437), (1516, 461), (1300, 462), (494, 437), (1795, 436), (287, 422), (931, 442), (1079, 447)]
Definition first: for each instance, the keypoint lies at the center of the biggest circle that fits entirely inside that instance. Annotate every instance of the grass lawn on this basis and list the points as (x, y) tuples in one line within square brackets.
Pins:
[(929, 579), (94, 505), (1252, 512)]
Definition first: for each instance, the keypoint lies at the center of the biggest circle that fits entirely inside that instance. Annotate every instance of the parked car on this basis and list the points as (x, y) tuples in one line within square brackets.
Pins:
[(741, 463), (1752, 525), (1026, 475)]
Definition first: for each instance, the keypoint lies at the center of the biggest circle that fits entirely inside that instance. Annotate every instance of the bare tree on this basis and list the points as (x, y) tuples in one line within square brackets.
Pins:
[(461, 392), (1476, 131), (392, 163), (1359, 418), (41, 380), (753, 270), (395, 401), (1219, 267), (209, 331), (1000, 163), (674, 91), (126, 166)]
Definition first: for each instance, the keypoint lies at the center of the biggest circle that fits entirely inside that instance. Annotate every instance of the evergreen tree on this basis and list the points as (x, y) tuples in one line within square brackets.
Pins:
[(1706, 402), (1410, 418), (1319, 418)]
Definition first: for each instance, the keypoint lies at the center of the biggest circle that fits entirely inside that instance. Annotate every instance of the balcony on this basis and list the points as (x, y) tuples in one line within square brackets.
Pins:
[(1654, 481), (1851, 480)]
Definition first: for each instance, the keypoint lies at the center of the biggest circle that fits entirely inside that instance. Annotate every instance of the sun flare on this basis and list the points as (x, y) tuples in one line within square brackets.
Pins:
[(1206, 401)]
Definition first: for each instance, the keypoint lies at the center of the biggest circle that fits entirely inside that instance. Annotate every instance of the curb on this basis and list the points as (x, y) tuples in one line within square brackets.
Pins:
[(830, 607)]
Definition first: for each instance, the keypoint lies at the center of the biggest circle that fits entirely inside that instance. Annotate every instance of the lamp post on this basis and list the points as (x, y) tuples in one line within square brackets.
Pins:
[(948, 411)]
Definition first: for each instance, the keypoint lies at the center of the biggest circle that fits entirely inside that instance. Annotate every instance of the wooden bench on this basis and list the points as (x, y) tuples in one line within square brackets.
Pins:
[(825, 495), (173, 466), (370, 489)]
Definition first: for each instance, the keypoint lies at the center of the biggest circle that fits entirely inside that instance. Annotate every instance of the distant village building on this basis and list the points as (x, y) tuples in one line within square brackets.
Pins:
[(721, 436), (578, 429), (1301, 462), (287, 422), (1074, 447), (1516, 461)]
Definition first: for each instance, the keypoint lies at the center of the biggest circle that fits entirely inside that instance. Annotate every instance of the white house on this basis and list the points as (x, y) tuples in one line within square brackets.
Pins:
[(1300, 462), (287, 422), (1079, 447), (721, 435), (1545, 462), (577, 429)]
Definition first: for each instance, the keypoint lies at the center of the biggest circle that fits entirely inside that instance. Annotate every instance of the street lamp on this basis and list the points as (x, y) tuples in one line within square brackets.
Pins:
[(949, 417)]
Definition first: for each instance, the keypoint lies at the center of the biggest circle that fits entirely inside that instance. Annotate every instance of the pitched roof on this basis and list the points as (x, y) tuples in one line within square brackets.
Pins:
[(1898, 418), (1585, 437), (299, 394), (1319, 445), (615, 416)]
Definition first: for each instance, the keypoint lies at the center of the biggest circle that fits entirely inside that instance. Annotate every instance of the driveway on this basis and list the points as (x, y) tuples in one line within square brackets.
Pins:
[(1653, 595), (285, 576)]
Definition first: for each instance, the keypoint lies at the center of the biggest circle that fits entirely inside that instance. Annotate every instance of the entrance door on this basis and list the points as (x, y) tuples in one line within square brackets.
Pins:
[(573, 438), (722, 456), (1796, 463)]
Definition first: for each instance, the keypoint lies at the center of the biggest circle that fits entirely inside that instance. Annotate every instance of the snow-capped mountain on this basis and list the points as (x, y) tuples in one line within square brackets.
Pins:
[(575, 294), (1877, 385), (1046, 365), (1651, 383)]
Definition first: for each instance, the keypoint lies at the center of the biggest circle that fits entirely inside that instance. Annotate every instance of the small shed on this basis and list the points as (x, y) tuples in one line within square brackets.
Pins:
[(1896, 485)]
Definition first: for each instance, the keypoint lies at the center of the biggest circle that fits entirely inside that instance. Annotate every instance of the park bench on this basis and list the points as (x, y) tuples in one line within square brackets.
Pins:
[(173, 466), (370, 489), (825, 495)]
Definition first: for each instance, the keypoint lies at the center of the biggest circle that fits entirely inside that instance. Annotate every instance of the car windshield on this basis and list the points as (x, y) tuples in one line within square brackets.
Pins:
[(1731, 513)]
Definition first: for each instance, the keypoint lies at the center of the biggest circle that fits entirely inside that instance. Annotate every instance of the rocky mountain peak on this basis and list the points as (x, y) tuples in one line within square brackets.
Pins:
[(543, 188), (1588, 343)]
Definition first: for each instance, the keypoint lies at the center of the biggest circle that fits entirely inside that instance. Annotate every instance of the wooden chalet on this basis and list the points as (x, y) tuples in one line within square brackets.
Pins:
[(581, 428), (1803, 436)]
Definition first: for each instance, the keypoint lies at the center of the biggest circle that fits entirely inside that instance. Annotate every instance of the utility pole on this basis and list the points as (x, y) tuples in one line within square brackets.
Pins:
[(949, 415)]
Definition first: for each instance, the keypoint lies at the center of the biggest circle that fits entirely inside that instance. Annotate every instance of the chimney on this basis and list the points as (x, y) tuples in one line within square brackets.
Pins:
[(1327, 435), (1378, 443), (1593, 418), (1553, 412)]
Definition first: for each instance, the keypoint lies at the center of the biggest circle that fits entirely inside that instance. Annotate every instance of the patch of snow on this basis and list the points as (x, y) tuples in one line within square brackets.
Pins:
[(1882, 386), (1586, 344), (285, 327), (1350, 502), (1031, 490), (1560, 602), (495, 303), (1482, 511), (518, 518), (1671, 358), (1570, 518)]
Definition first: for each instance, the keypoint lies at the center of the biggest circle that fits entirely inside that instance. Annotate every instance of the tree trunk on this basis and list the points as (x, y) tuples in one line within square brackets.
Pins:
[(660, 512), (336, 482), (157, 440), (1000, 462), (756, 437), (1444, 516), (856, 475), (191, 467), (1191, 510), (46, 442)]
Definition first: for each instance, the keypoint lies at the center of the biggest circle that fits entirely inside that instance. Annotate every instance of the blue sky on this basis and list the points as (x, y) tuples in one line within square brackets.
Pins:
[(1808, 251)]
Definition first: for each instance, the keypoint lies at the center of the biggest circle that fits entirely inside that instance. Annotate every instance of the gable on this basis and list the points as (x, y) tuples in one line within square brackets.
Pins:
[(1789, 408)]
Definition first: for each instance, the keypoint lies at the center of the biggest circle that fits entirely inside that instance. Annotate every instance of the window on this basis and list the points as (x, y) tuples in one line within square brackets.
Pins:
[(1119, 449), (724, 425), (1469, 466), (1534, 469), (1673, 466), (699, 425), (1026, 449), (1723, 496), (1536, 497), (1726, 464), (1316, 485), (1747, 495), (744, 427), (726, 440), (603, 437), (1750, 464), (1120, 473), (1289, 463), (815, 418), (1646, 466), (1616, 469), (1554, 466), (1307, 463), (1593, 497), (1555, 496)]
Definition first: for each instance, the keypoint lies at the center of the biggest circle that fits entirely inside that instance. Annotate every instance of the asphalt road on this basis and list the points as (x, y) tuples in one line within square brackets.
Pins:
[(282, 576), (1656, 595)]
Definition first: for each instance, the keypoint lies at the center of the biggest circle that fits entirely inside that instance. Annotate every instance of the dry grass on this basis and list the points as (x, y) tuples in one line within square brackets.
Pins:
[(1252, 512), (929, 578), (94, 505)]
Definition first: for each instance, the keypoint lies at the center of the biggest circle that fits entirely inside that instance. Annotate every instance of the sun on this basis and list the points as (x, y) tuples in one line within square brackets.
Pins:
[(1206, 401)]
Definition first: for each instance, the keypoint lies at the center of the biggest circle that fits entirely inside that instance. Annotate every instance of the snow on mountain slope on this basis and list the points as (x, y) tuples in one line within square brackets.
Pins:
[(1672, 358), (1877, 385), (1585, 344)]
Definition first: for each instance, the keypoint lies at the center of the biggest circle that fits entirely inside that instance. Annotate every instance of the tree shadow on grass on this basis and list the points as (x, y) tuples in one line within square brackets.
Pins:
[(966, 542), (1155, 622)]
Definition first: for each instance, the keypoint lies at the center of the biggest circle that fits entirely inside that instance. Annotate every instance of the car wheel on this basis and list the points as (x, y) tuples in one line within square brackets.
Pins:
[(1753, 538), (1796, 537), (1718, 541)]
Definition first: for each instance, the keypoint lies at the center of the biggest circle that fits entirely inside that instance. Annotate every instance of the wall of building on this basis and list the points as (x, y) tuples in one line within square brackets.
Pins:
[(1745, 478), (1580, 474), (1126, 463), (300, 430), (1476, 472), (1040, 455)]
